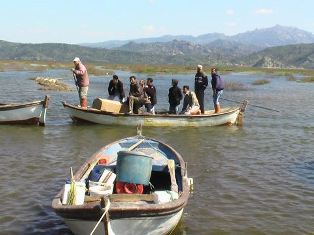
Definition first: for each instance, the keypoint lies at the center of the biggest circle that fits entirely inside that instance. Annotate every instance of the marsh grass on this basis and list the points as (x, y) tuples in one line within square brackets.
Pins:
[(99, 69), (261, 82), (291, 78), (307, 79), (235, 86)]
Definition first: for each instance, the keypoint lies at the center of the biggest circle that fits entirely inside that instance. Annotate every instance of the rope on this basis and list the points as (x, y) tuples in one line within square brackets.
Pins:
[(103, 215), (257, 106)]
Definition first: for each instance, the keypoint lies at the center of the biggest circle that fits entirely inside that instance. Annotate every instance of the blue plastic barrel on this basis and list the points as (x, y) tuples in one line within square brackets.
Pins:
[(134, 167)]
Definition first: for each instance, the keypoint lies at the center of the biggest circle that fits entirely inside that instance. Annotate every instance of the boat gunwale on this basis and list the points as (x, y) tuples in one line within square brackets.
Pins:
[(92, 210), (175, 116)]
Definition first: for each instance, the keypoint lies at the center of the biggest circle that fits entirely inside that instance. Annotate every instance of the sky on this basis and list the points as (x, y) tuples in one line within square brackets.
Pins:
[(69, 21)]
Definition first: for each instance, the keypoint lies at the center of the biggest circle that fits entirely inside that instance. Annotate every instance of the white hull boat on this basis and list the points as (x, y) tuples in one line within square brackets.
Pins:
[(24, 113), (227, 116), (129, 207)]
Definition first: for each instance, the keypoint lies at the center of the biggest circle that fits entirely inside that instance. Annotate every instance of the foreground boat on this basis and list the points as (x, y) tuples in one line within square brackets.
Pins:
[(227, 116), (24, 113), (152, 209)]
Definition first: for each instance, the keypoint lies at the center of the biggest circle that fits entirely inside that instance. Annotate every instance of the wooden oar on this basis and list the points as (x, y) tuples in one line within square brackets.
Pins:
[(257, 106)]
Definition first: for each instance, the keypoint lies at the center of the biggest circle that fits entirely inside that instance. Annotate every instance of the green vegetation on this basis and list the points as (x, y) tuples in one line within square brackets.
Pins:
[(235, 86), (260, 82), (105, 69), (307, 79), (291, 78)]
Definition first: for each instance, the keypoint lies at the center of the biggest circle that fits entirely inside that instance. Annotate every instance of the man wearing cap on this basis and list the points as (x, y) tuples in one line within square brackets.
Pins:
[(115, 88), (82, 80), (201, 82)]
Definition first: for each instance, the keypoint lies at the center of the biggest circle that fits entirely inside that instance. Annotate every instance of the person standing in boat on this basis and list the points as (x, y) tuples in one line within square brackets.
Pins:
[(218, 87), (150, 91), (115, 89), (175, 96), (136, 95), (82, 80), (190, 102), (201, 82)]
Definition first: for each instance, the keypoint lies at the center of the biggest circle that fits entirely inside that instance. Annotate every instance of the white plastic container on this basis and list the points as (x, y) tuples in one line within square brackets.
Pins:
[(100, 189), (165, 196), (66, 191), (80, 193)]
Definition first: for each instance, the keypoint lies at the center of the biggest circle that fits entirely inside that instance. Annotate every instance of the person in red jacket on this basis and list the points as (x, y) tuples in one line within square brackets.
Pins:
[(82, 80)]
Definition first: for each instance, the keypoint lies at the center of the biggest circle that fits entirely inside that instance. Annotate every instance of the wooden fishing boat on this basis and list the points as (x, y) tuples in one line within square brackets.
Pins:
[(152, 209), (24, 113), (227, 116)]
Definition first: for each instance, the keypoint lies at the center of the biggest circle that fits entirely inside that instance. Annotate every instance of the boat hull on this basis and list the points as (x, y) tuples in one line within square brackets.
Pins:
[(228, 117), (28, 113), (155, 225)]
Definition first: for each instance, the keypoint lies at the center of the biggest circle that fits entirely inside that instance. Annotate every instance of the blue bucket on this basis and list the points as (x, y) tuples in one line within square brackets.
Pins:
[(134, 167)]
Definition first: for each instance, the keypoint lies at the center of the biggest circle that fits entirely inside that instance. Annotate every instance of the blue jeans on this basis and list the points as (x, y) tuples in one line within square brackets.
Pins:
[(216, 96)]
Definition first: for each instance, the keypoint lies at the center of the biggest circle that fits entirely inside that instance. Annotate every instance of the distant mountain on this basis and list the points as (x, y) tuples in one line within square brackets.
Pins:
[(274, 36), (291, 56), (219, 52), (202, 39), (267, 37)]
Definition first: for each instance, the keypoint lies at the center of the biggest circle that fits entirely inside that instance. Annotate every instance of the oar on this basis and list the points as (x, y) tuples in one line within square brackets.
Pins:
[(75, 81), (257, 106)]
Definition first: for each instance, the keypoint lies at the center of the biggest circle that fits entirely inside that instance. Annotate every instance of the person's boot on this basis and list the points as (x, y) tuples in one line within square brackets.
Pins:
[(84, 103), (218, 108)]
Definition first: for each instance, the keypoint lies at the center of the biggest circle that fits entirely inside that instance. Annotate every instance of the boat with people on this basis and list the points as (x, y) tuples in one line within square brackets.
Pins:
[(119, 116), (24, 113), (136, 185)]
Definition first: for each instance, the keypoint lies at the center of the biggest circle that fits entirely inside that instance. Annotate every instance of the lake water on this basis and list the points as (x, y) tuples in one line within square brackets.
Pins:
[(255, 179)]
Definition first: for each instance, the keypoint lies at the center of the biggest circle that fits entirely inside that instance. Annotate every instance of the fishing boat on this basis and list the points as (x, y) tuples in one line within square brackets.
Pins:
[(24, 113), (227, 116), (145, 191)]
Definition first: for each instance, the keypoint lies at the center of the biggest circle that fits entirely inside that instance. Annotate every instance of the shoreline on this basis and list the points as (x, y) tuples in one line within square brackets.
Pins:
[(102, 69)]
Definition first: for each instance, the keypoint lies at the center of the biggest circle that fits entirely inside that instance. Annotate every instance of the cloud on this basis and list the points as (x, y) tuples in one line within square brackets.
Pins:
[(230, 12), (152, 2), (264, 11), (149, 29)]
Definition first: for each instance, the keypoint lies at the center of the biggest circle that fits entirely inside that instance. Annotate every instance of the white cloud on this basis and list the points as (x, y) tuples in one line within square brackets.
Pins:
[(152, 1), (149, 29), (264, 11), (230, 12)]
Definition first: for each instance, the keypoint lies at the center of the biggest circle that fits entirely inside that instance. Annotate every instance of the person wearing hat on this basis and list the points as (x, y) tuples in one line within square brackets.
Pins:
[(82, 80), (175, 96), (115, 89), (201, 82), (218, 87)]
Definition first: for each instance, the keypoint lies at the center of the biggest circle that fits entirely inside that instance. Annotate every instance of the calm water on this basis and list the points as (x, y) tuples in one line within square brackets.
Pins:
[(255, 179)]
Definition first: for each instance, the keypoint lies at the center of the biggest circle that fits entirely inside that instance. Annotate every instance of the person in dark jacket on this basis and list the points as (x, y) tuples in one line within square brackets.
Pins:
[(150, 91), (201, 82), (115, 88), (137, 96), (218, 87), (175, 96)]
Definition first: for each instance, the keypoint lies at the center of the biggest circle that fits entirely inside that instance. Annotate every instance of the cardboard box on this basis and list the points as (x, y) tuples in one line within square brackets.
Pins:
[(111, 106)]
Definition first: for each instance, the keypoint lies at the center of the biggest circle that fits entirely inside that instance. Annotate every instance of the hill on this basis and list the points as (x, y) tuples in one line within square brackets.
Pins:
[(266, 37), (291, 56)]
